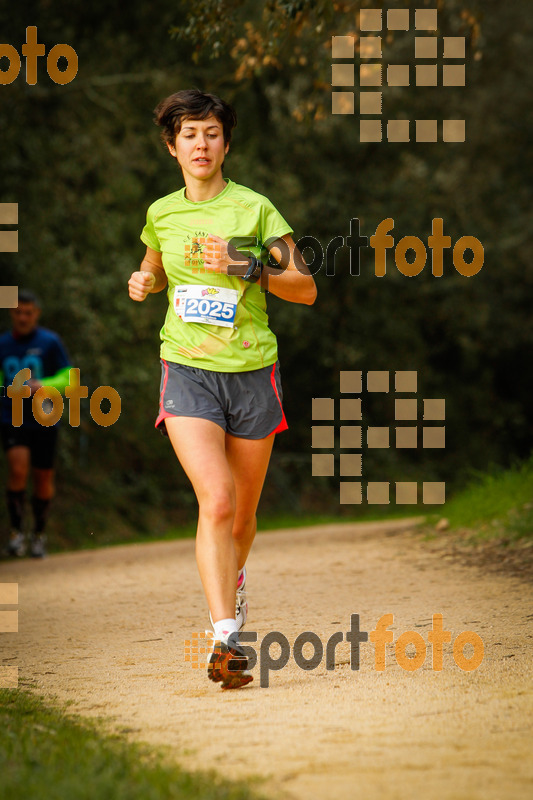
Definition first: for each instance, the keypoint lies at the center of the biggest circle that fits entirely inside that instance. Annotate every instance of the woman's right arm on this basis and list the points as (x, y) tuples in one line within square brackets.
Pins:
[(150, 278)]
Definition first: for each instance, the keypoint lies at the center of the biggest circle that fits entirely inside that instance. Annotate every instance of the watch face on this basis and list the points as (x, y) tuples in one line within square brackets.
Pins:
[(254, 271)]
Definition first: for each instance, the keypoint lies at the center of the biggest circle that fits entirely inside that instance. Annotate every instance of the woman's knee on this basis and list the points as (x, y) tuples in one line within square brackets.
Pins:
[(218, 506), (243, 526)]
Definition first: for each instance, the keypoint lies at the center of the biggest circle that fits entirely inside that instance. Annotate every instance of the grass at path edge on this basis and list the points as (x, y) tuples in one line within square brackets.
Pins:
[(497, 505), (265, 524), (47, 755), (494, 505)]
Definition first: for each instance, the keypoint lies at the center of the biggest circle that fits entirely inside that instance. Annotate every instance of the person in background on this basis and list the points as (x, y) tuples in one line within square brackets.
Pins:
[(31, 444)]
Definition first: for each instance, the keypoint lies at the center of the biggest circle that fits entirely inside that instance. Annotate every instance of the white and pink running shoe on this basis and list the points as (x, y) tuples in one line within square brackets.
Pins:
[(228, 663), (241, 606)]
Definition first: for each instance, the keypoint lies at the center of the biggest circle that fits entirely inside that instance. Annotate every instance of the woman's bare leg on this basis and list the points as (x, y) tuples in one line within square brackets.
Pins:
[(248, 460), (227, 474)]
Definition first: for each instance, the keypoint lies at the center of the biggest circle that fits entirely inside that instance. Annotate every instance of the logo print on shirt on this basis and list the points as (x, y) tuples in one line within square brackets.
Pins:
[(193, 251)]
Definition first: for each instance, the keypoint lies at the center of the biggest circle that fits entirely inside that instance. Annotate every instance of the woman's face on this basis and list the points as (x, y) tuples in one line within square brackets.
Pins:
[(199, 148)]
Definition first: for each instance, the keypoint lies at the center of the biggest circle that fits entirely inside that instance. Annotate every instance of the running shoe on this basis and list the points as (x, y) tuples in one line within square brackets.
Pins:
[(17, 545), (228, 664), (38, 545), (241, 606)]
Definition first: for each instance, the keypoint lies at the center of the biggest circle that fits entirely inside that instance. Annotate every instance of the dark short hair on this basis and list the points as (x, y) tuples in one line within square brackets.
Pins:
[(27, 296), (192, 104)]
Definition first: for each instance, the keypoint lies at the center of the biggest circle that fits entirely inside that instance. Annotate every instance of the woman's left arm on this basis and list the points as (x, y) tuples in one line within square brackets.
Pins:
[(294, 283)]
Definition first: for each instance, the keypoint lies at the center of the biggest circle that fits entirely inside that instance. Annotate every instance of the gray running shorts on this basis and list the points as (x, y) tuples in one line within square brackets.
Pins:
[(244, 404)]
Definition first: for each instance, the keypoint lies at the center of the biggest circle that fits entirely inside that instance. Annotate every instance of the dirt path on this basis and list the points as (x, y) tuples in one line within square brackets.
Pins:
[(105, 629)]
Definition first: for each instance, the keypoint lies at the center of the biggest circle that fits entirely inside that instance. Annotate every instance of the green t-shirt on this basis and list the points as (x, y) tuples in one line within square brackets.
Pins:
[(178, 228)]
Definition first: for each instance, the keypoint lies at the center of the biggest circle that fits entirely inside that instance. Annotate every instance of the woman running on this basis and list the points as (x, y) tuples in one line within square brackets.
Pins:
[(220, 399)]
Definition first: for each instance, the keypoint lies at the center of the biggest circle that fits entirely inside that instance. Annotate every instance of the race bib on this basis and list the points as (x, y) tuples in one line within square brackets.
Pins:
[(210, 305)]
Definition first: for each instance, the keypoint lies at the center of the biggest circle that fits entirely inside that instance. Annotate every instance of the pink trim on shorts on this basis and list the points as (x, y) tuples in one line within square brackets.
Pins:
[(162, 413), (283, 426)]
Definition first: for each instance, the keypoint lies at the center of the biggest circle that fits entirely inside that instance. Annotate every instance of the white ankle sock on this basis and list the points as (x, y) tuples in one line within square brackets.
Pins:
[(225, 627)]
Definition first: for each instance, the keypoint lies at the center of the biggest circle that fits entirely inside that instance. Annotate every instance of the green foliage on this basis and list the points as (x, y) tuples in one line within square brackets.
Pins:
[(45, 754), (498, 504), (471, 339), (84, 162)]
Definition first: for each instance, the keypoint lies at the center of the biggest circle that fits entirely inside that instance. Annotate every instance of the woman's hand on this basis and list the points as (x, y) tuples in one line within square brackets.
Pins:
[(150, 278), (141, 284), (220, 256)]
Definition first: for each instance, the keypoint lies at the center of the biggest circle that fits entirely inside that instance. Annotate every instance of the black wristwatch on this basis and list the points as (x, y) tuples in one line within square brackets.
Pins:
[(253, 273)]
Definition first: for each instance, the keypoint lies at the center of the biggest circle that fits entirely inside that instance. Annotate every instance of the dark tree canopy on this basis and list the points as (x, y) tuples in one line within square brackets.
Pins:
[(83, 161)]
